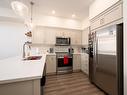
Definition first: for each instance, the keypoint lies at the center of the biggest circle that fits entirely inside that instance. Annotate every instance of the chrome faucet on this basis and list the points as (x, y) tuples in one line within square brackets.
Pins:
[(26, 43)]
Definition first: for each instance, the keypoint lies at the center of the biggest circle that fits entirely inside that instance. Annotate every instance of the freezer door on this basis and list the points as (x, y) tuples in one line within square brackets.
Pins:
[(106, 60)]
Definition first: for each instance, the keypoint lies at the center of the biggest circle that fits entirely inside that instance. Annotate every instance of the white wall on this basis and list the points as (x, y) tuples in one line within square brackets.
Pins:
[(43, 20), (125, 46), (99, 6), (11, 39), (6, 12), (85, 23), (52, 21)]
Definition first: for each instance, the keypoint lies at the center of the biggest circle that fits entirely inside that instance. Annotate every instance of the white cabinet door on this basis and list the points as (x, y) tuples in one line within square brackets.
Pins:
[(51, 64), (72, 35), (43, 35), (67, 33), (85, 35), (76, 62), (49, 37), (37, 36), (76, 38), (85, 63)]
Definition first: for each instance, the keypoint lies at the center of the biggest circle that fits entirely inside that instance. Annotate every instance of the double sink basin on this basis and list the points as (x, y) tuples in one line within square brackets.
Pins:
[(32, 58)]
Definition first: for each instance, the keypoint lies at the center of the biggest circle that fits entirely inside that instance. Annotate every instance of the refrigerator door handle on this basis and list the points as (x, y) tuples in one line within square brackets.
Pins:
[(94, 45), (95, 48)]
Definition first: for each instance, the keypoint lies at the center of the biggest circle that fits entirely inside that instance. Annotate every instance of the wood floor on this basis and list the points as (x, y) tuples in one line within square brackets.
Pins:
[(70, 84)]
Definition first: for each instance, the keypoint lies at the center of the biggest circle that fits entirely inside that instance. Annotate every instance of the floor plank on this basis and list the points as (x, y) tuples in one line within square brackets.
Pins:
[(70, 84)]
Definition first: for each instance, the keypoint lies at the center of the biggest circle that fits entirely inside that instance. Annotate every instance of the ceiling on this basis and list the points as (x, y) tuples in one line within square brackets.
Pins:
[(63, 8)]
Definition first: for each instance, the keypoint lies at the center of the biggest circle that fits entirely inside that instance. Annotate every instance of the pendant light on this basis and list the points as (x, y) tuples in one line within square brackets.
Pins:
[(19, 8), (31, 15), (30, 23)]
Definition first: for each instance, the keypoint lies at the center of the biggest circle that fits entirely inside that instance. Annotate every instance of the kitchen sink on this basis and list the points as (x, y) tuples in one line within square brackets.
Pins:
[(33, 58)]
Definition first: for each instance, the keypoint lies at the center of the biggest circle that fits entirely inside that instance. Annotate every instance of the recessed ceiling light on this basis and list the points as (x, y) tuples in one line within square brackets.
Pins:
[(53, 12), (73, 15)]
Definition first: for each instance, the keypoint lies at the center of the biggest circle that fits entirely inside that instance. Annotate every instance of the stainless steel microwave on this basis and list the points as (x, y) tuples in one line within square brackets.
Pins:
[(62, 41)]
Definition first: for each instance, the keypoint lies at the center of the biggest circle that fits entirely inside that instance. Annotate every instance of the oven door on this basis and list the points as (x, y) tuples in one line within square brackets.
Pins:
[(64, 68)]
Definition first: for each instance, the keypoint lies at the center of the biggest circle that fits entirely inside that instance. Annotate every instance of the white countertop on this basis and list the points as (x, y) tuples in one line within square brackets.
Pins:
[(15, 69), (73, 53)]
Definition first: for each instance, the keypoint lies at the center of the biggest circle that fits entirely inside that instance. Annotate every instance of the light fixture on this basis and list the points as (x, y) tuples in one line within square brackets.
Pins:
[(19, 8), (31, 18), (73, 15), (29, 21), (53, 12)]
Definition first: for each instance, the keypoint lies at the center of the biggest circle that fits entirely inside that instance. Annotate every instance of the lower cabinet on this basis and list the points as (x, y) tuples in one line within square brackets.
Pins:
[(76, 62), (85, 63), (51, 64), (28, 87), (80, 62)]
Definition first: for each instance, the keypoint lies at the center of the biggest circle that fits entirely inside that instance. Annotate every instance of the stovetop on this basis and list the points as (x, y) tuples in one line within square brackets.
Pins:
[(62, 54)]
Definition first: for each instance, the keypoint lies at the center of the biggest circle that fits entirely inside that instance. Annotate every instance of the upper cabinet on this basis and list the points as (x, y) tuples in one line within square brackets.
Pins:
[(76, 38), (47, 35), (36, 38), (85, 34), (42, 35), (110, 15)]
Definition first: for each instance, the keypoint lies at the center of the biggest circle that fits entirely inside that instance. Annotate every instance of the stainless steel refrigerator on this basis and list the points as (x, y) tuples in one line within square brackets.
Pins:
[(106, 69)]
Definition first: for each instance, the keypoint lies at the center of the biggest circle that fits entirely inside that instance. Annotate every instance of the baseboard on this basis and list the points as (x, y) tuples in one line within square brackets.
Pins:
[(85, 73), (76, 71)]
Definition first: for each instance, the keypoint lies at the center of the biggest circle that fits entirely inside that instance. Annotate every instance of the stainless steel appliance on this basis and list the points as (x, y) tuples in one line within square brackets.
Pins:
[(62, 41), (29, 45), (90, 52), (106, 59), (61, 67)]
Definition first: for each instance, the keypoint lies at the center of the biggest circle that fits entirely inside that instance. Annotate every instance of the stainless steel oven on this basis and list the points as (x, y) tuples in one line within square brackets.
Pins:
[(61, 67)]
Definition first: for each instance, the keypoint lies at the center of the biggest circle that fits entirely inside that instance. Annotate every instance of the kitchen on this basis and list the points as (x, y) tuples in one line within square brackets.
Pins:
[(54, 44)]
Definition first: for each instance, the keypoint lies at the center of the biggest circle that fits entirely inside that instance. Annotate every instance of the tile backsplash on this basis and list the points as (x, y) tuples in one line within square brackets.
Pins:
[(39, 49)]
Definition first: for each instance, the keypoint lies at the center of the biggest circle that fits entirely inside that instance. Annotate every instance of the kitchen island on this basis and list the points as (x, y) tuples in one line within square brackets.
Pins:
[(19, 77)]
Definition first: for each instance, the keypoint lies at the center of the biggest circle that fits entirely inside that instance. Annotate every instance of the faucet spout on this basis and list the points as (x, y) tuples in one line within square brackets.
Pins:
[(26, 43)]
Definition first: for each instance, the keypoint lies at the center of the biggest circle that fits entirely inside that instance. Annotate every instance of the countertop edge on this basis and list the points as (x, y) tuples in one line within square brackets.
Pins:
[(20, 80)]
